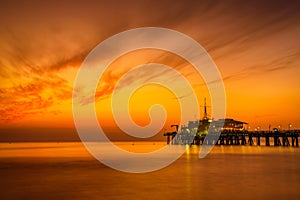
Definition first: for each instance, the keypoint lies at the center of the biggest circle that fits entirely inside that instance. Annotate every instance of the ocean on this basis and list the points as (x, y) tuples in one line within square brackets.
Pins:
[(67, 171)]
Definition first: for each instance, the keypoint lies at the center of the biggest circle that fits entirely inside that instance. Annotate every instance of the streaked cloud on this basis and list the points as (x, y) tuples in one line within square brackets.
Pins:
[(36, 97), (41, 40)]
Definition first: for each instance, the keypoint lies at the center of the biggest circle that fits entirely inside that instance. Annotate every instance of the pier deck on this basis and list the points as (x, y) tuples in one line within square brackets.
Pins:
[(267, 138)]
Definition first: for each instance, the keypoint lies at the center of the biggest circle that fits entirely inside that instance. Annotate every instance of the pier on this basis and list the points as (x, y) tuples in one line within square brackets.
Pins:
[(244, 137), (233, 132)]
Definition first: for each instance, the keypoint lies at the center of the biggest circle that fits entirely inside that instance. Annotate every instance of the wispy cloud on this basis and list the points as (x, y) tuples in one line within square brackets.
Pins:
[(36, 97), (41, 39)]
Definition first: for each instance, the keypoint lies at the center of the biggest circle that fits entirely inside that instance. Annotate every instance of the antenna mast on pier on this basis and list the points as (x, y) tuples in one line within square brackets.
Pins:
[(205, 111)]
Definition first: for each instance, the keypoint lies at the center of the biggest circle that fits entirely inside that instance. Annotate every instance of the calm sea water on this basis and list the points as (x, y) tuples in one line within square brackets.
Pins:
[(68, 171)]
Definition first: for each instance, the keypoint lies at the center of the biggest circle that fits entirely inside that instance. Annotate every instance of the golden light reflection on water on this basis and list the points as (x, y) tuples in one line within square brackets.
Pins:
[(63, 166), (140, 147), (47, 149), (76, 149)]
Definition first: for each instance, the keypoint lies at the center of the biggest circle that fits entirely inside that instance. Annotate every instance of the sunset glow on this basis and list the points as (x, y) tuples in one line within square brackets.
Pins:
[(43, 44), (150, 99)]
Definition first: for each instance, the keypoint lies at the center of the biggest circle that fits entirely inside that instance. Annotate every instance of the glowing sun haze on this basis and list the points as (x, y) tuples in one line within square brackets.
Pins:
[(255, 44)]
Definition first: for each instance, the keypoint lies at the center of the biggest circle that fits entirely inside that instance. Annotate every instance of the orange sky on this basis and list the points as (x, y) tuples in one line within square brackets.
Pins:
[(255, 45)]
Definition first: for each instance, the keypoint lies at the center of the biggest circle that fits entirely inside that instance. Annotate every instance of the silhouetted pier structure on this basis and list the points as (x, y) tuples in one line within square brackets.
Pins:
[(233, 132), (275, 138)]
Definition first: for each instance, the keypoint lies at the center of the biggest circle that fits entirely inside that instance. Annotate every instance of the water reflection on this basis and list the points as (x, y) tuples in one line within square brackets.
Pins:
[(66, 170)]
